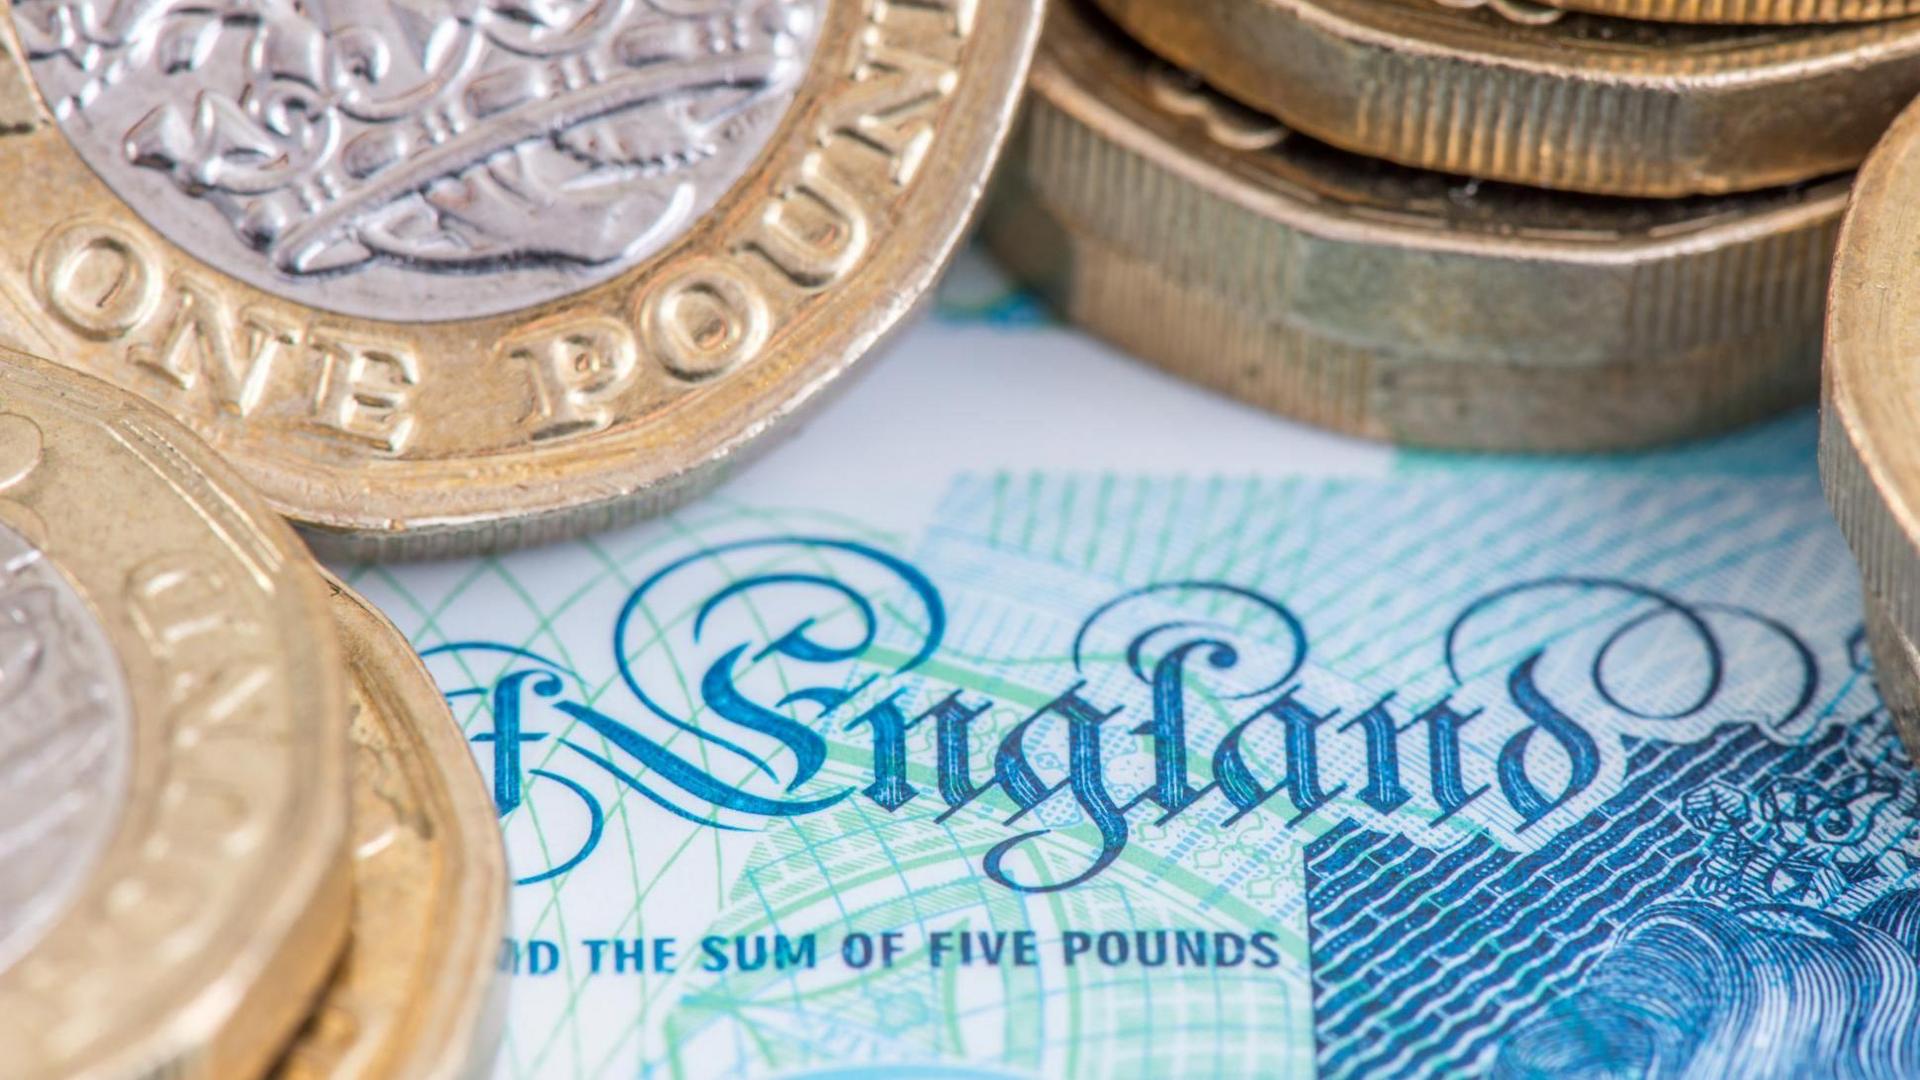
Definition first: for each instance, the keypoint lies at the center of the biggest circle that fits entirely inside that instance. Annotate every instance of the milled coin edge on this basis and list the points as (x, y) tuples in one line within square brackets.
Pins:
[(1144, 281), (1869, 450), (457, 1030), (1488, 108)]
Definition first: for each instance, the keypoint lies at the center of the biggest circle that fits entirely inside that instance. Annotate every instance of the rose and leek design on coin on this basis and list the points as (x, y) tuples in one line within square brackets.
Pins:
[(442, 158)]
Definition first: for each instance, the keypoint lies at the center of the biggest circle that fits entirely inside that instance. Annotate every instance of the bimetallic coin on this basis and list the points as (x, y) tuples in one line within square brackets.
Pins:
[(1870, 415), (173, 739), (1583, 103), (1746, 12), (418, 992), (66, 730), (427, 161), (1391, 302), (448, 276)]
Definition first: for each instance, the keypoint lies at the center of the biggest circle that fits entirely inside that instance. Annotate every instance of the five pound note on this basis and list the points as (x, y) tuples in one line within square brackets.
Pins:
[(1458, 767)]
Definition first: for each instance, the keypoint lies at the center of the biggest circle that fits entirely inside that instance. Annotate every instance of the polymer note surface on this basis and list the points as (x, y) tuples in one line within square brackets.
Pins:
[(1290, 757)]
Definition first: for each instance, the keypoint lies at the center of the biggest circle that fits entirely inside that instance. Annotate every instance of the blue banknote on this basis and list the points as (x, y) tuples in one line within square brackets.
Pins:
[(1468, 766)]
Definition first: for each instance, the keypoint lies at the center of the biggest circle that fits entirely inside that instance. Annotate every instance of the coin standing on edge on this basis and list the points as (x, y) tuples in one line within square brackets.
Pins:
[(446, 279), (1896, 670), (1870, 412), (173, 738), (1390, 302), (418, 994), (1583, 103)]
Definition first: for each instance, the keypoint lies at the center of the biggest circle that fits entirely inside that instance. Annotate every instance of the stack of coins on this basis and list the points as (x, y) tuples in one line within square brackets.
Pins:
[(1488, 225), (426, 280), (1869, 444)]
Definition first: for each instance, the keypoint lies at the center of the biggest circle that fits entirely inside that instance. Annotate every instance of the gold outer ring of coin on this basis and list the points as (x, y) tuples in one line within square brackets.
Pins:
[(418, 993), (1585, 103), (1382, 301), (1745, 12), (1896, 670), (391, 439), (1869, 441), (214, 912)]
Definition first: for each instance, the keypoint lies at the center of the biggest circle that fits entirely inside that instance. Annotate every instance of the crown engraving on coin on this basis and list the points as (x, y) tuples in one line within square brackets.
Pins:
[(340, 149)]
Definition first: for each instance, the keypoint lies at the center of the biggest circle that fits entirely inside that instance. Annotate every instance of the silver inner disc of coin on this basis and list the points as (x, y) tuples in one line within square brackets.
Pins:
[(419, 160), (66, 742)]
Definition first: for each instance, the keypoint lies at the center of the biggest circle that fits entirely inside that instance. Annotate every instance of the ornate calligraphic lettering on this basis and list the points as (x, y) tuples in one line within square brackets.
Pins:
[(1517, 752)]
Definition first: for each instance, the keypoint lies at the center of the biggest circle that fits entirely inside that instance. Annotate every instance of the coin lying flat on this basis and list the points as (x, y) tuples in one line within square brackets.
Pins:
[(417, 994), (1392, 302), (172, 744), (445, 277), (1582, 103), (1870, 415), (1746, 12)]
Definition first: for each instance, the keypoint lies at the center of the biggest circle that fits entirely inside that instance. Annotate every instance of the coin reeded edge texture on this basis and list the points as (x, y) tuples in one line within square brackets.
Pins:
[(1896, 670), (396, 438), (1582, 104), (1869, 438), (419, 992), (1153, 217), (1745, 12), (214, 912)]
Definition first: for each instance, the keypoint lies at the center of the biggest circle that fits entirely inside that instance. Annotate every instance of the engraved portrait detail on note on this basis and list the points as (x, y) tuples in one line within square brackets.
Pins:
[(419, 159)]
